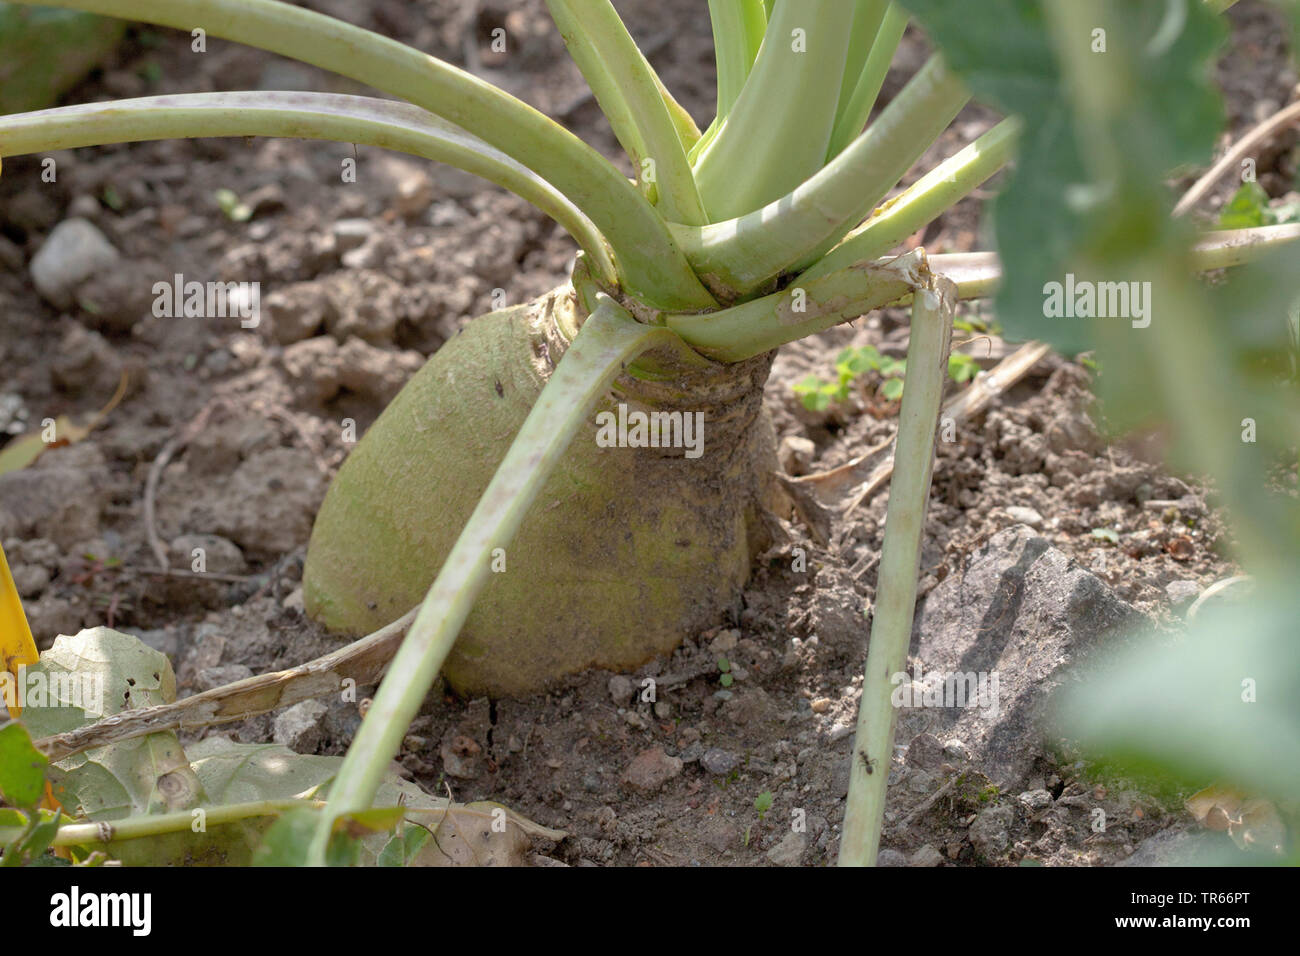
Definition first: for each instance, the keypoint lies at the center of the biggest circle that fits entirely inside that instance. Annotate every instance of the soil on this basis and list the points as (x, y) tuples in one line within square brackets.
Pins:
[(364, 280)]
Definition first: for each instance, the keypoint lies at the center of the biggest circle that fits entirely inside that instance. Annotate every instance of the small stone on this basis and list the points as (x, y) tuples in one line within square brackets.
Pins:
[(350, 234), (651, 769), (725, 642), (298, 728), (1182, 593), (925, 751), (693, 752), (988, 832), (461, 756), (790, 851), (839, 732), (663, 709), (221, 675), (718, 761), (796, 454), (207, 553), (1022, 515), (926, 856), (820, 705), (30, 579), (955, 749), (74, 251), (1035, 800), (890, 858), (620, 690)]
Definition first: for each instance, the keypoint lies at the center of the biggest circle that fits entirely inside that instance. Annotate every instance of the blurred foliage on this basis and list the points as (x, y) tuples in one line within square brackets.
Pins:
[(1115, 95), (45, 52)]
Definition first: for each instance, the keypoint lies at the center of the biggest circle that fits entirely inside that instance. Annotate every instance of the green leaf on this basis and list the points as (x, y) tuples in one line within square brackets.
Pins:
[(98, 673), (1054, 214), (763, 802), (962, 367), (892, 389), (1222, 708), (405, 846), (1247, 209), (22, 767)]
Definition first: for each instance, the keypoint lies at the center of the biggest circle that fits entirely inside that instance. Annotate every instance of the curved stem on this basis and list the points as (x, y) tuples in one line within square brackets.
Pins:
[(856, 110), (629, 94), (754, 327), (741, 254), (330, 116), (606, 342), (925, 200), (650, 263), (780, 126), (815, 302)]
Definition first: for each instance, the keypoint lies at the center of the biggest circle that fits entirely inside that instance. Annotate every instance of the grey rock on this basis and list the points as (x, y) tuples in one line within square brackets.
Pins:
[(926, 856), (1020, 614), (651, 769), (219, 555), (718, 761), (1026, 516), (1182, 593), (1180, 845), (989, 832), (221, 675), (74, 251), (621, 690), (955, 749), (890, 858), (61, 504), (790, 851), (299, 727), (351, 233), (796, 454), (30, 579), (925, 751), (1035, 800)]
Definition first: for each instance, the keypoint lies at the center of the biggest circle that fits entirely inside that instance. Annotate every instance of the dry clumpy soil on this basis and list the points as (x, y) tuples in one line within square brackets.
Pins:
[(1038, 525)]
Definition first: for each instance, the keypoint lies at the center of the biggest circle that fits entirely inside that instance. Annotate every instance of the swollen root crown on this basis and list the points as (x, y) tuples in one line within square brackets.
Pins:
[(631, 545)]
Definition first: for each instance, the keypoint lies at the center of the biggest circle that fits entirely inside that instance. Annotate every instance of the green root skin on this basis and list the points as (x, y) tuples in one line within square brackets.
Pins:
[(626, 551)]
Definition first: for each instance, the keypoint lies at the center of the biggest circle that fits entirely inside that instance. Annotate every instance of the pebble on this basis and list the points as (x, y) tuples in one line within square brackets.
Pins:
[(74, 251), (790, 851), (988, 832), (620, 690), (718, 761), (955, 749), (725, 641), (820, 705), (1024, 515), (890, 858), (1182, 593), (926, 856), (298, 727), (651, 769), (1035, 800)]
